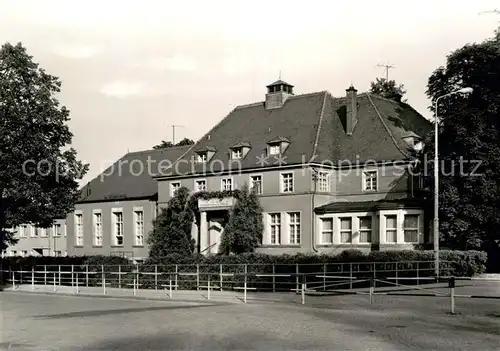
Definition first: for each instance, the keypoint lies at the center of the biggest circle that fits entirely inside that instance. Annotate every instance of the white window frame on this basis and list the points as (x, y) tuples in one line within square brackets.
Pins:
[(114, 217), (23, 231), (274, 147), (294, 227), (34, 231), (278, 237), (196, 185), (387, 229), (173, 189), (43, 233), (55, 231), (79, 233), (373, 187), (342, 231), (201, 157), (237, 153), (97, 232), (415, 229), (330, 232), (230, 179), (325, 181), (138, 226), (282, 182), (369, 231), (251, 182)]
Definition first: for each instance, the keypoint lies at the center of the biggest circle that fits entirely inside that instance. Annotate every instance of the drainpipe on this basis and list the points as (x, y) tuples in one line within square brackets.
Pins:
[(313, 219)]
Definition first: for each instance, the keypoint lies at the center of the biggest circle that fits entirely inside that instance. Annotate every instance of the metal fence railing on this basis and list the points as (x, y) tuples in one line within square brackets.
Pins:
[(258, 277)]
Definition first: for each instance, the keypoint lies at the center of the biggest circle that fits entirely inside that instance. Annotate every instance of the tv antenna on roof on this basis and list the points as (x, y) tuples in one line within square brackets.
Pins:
[(173, 131), (387, 67)]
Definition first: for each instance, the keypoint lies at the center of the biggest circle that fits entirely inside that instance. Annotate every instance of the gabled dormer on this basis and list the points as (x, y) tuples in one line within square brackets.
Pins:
[(239, 150), (414, 141), (277, 146), (277, 93), (205, 154)]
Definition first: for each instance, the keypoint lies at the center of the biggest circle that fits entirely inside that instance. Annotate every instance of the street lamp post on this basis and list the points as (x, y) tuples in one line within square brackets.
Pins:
[(435, 226)]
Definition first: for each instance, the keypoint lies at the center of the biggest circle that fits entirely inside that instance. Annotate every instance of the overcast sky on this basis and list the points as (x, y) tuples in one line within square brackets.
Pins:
[(130, 69)]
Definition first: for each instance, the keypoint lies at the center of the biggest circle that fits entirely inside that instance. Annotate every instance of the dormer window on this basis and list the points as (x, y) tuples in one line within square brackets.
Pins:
[(413, 141), (237, 153), (274, 149), (201, 157)]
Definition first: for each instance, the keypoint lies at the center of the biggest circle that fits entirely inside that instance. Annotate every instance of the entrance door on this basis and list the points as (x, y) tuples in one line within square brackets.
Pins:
[(215, 230)]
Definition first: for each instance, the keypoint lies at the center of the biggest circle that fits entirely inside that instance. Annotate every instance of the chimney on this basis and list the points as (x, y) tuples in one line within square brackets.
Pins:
[(352, 109), (277, 93)]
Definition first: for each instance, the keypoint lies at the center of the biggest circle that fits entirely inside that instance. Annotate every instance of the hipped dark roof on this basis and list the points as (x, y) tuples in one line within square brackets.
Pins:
[(368, 206)]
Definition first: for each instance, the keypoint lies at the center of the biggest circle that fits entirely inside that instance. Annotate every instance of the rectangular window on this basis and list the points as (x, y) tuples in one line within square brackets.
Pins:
[(57, 230), (411, 228), (118, 228), (201, 157), (286, 182), (391, 231), (97, 229), (57, 253), (346, 230), (256, 183), (201, 185), (139, 227), (323, 182), (24, 253), (274, 150), (23, 231), (174, 186), (275, 228), (370, 180), (236, 153), (43, 232), (327, 230), (365, 229), (13, 252), (34, 232), (226, 184), (294, 226), (79, 229)]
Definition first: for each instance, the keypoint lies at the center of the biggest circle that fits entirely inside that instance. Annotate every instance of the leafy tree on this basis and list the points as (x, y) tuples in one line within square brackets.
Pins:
[(387, 89), (166, 144), (39, 172), (243, 232), (171, 232), (469, 135)]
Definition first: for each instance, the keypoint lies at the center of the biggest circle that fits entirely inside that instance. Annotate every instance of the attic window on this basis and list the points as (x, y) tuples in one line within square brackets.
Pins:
[(201, 157), (274, 149), (237, 153)]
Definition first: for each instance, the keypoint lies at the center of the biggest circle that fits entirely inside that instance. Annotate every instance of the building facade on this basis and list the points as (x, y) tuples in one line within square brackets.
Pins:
[(331, 173), (33, 241), (116, 211)]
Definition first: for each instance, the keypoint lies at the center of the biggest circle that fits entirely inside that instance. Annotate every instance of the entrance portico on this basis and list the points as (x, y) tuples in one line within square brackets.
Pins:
[(208, 231)]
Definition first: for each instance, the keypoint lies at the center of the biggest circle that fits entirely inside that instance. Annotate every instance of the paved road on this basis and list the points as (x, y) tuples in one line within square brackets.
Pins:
[(45, 322)]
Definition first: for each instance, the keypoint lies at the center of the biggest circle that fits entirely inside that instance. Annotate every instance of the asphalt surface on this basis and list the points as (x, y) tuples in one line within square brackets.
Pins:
[(33, 321)]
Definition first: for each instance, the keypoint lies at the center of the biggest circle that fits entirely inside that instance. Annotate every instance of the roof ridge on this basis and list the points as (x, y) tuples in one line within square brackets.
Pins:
[(318, 131), (291, 97), (177, 147), (404, 103), (385, 125)]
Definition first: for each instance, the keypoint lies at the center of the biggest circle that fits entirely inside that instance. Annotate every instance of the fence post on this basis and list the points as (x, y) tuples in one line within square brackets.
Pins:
[(374, 274), (76, 289), (303, 289), (297, 277), (274, 278), (137, 270), (418, 275), (72, 277), (54, 282), (134, 286), (197, 277), (245, 286), (13, 280), (156, 277), (350, 276), (103, 280), (59, 268), (208, 294), (176, 274), (33, 278), (372, 281), (87, 275), (220, 276), (119, 276), (45, 275), (21, 275), (397, 281), (324, 276), (170, 285), (452, 294)]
